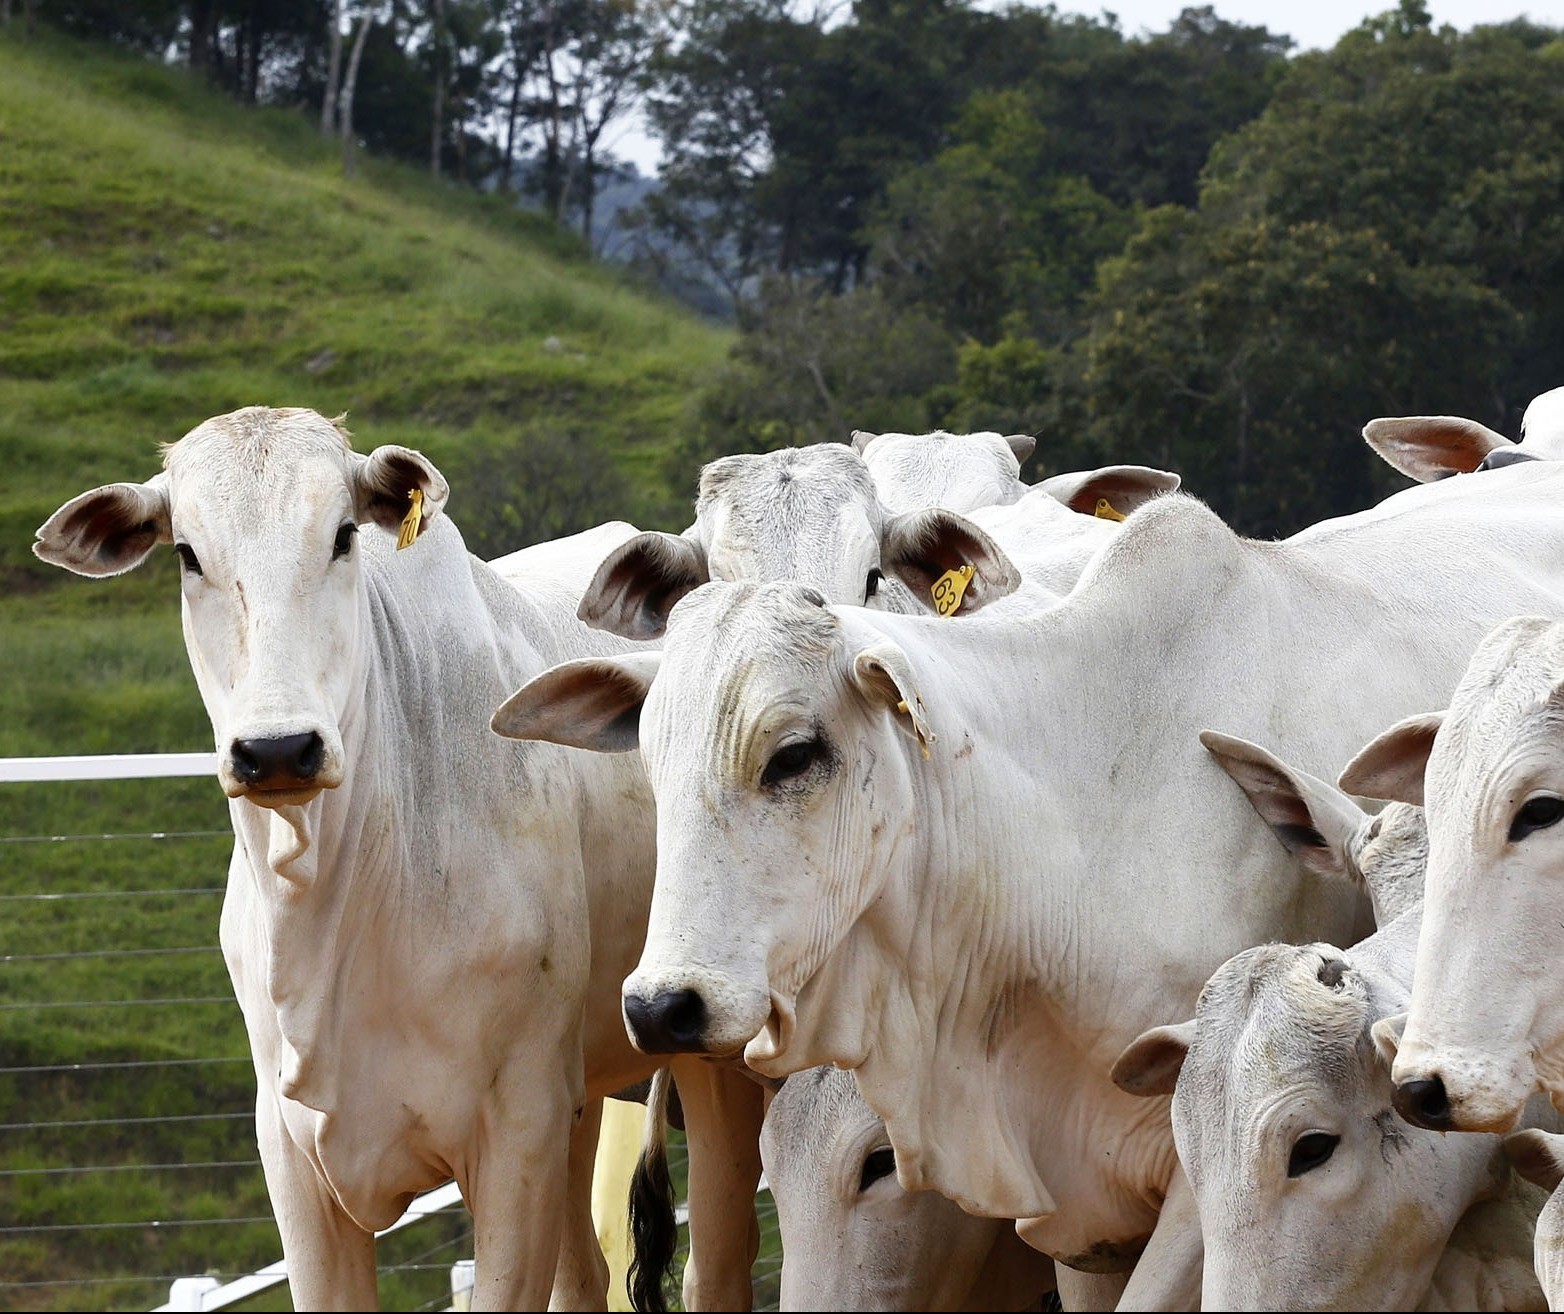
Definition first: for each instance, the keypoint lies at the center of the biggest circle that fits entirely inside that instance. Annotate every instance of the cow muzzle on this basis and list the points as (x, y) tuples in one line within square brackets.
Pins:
[(1455, 1096), (277, 770), (708, 1015), (670, 1022)]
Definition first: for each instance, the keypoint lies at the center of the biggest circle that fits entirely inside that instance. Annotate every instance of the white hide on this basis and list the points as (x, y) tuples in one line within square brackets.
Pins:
[(1486, 1023), (955, 927), (407, 930), (852, 1238), (1312, 1193), (1538, 1156), (1280, 1061), (957, 471), (813, 515), (1429, 447)]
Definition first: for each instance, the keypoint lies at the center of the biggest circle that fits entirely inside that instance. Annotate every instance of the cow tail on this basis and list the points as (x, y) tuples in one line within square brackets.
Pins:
[(654, 1231)]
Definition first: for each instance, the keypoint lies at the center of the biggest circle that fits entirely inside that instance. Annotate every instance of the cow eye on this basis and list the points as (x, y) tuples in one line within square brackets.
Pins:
[(1311, 1150), (1536, 814), (872, 584), (882, 1163), (344, 543), (792, 760), (188, 558)]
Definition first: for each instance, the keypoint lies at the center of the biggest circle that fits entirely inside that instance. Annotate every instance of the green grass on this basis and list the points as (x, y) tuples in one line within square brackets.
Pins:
[(167, 255)]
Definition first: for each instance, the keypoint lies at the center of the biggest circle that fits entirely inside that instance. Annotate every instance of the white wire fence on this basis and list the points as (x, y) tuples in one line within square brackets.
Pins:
[(127, 1145)]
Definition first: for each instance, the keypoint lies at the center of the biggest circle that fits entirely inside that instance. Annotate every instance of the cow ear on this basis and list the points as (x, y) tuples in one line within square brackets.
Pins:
[(1022, 444), (592, 703), (109, 530), (383, 484), (638, 583), (1123, 487), (919, 547), (1538, 1156), (1430, 447), (1150, 1064), (1386, 1035), (1391, 766), (1313, 820), (861, 439), (882, 673)]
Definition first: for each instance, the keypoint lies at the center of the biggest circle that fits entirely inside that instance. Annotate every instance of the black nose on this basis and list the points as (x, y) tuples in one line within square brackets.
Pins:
[(668, 1023), (278, 763), (1424, 1103)]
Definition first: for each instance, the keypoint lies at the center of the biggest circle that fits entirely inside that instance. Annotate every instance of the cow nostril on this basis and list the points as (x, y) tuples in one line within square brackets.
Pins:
[(671, 1022), (245, 764), (310, 757), (1424, 1103), (686, 1016)]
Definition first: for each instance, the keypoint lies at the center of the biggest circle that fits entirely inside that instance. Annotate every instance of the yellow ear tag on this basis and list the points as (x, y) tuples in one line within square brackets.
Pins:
[(1105, 510), (413, 521), (950, 588)]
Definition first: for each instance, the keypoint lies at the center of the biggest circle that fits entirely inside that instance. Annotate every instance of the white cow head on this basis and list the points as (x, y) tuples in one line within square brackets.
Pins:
[(1430, 447), (1486, 1025), (262, 507), (852, 1238), (957, 471), (767, 710), (808, 514), (1312, 1194)]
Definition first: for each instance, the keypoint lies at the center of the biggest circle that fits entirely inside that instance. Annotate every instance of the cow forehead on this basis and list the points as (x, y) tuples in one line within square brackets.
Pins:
[(935, 464), (733, 652), (1504, 702), (817, 1111), (795, 483), (254, 452), (1272, 1018)]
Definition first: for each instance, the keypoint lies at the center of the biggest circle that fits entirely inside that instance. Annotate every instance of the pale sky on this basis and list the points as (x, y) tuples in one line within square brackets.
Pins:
[(1313, 24)]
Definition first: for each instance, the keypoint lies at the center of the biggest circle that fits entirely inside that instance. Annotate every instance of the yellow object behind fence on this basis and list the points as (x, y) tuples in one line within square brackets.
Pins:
[(618, 1145)]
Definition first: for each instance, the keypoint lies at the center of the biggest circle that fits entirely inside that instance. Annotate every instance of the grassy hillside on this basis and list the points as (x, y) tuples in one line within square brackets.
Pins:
[(165, 256)]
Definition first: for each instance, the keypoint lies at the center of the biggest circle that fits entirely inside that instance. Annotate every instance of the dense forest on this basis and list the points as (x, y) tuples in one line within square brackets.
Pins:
[(1191, 248)]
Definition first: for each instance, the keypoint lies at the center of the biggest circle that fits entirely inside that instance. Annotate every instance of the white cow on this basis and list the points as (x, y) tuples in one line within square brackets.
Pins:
[(852, 1238), (933, 852), (814, 515), (957, 471), (1312, 1194), (426, 925), (1486, 1023), (1429, 447), (1539, 1157)]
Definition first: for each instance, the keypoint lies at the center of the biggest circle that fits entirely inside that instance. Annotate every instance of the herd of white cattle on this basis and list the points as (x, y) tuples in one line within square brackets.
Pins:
[(994, 817)]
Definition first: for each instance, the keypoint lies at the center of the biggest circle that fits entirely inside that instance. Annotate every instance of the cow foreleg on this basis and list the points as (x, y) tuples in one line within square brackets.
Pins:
[(1169, 1271), (581, 1280), (723, 1110), (517, 1188), (331, 1260)]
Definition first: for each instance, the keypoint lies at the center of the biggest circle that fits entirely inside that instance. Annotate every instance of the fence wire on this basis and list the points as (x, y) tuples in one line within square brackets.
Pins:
[(127, 1140)]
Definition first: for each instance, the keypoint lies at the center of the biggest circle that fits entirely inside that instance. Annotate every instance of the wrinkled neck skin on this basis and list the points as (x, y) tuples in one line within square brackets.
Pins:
[(340, 912), (1028, 973)]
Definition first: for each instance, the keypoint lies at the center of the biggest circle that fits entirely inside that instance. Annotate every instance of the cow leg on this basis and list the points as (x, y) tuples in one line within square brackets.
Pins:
[(723, 1110), (1089, 1291), (331, 1260), (581, 1280), (518, 1186), (1168, 1273)]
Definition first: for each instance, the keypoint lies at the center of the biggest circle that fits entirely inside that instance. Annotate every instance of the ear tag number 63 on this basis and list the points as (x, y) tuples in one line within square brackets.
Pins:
[(950, 588)]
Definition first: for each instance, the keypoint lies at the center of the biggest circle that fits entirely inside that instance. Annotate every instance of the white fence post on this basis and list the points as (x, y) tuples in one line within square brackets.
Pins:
[(186, 1294), (464, 1276)]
